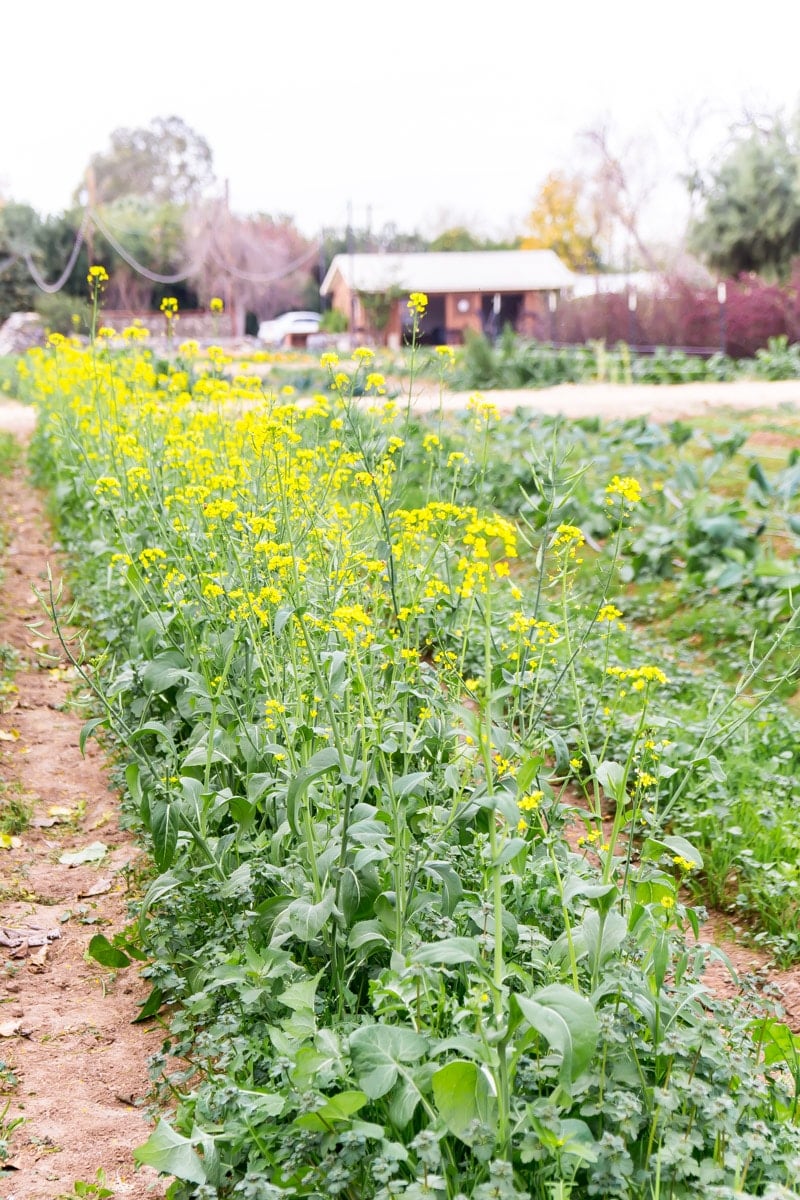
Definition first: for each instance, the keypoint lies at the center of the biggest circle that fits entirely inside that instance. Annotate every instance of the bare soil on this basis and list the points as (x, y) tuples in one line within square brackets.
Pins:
[(627, 400), (65, 1022)]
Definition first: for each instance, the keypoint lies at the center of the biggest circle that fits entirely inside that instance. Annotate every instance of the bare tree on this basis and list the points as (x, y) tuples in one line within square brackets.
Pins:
[(620, 182)]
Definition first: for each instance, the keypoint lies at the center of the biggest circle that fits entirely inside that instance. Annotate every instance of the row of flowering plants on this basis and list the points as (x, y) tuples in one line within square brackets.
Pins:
[(415, 924)]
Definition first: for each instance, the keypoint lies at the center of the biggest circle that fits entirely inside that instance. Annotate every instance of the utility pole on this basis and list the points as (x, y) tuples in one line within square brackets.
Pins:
[(91, 198), (350, 251), (230, 300)]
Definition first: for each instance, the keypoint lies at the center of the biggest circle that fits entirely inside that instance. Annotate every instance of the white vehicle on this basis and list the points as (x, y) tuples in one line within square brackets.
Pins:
[(289, 329)]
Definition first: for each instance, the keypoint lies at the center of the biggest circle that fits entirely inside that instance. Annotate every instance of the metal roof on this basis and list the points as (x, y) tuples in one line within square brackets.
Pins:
[(453, 271)]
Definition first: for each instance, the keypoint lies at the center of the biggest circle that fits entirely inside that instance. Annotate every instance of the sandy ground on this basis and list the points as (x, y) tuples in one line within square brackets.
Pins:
[(611, 400), (65, 1023)]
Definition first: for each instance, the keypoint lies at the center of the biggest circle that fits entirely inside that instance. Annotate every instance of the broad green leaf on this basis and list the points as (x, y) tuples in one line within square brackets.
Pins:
[(462, 1096), (448, 952), (171, 1154), (300, 996), (319, 763), (381, 1053), (87, 731), (92, 853), (778, 1043), (566, 1021), (150, 1007), (602, 938), (509, 850), (334, 1111), (528, 772), (164, 672), (153, 729), (102, 951), (611, 777), (164, 826), (407, 785), (303, 919), (452, 890), (674, 845)]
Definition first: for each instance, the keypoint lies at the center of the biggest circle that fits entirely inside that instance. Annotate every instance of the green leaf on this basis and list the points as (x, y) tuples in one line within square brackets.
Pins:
[(381, 1054), (87, 730), (452, 889), (528, 772), (335, 1110), (154, 729), (509, 850), (463, 1097), (447, 952), (92, 853), (778, 1043), (102, 951), (611, 777), (674, 845), (160, 887), (150, 1007), (303, 919), (281, 617), (299, 997), (171, 1154), (164, 672), (566, 1021), (324, 760), (164, 825), (407, 785)]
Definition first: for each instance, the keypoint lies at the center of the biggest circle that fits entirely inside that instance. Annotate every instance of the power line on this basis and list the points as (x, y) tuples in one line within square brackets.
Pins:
[(273, 276), (92, 217), (179, 277), (52, 288)]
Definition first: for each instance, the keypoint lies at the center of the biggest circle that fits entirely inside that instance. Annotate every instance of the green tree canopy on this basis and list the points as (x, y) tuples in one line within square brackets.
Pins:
[(19, 225), (166, 162), (751, 218)]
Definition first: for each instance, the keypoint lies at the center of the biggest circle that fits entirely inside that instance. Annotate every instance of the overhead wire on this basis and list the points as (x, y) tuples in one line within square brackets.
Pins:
[(91, 216), (153, 276), (273, 276), (40, 281)]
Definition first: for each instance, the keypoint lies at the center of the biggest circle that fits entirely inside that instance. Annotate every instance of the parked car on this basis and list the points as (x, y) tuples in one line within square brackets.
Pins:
[(289, 329)]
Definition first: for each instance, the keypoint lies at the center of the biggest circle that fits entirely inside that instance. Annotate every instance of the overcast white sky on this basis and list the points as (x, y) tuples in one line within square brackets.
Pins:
[(424, 114)]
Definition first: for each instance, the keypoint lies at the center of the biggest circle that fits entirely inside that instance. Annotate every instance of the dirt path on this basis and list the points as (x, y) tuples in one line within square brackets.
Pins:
[(663, 403), (65, 1023)]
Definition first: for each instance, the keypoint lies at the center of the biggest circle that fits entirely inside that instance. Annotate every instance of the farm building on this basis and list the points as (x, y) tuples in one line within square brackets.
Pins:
[(478, 290)]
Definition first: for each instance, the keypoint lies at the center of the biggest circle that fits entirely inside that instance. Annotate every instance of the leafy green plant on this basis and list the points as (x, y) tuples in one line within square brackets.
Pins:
[(7, 1127), (95, 1188), (333, 321), (423, 805)]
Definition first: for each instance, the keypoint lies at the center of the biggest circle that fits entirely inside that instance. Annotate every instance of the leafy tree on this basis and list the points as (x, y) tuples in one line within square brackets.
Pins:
[(457, 238), (166, 162), (153, 235), (557, 222), (19, 226), (751, 218), (54, 240)]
